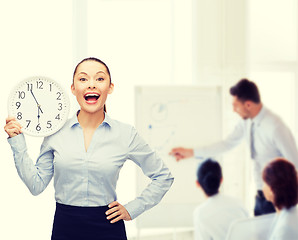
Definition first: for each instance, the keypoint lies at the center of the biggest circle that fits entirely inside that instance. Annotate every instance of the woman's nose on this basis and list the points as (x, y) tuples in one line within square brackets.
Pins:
[(91, 84)]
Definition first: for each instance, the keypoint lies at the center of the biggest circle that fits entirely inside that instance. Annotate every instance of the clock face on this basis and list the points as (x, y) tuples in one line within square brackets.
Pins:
[(40, 105)]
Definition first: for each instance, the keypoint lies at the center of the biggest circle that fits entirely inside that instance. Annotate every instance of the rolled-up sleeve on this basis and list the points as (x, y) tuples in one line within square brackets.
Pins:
[(154, 168), (36, 176)]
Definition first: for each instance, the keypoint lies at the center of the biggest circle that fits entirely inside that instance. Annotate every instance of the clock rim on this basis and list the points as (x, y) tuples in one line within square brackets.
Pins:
[(34, 78)]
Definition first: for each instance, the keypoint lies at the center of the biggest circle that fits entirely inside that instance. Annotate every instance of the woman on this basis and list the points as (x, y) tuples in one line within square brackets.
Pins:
[(281, 188), (85, 158), (213, 217)]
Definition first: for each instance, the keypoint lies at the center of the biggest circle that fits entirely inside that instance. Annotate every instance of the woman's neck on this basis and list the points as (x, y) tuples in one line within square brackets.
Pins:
[(278, 210), (90, 120)]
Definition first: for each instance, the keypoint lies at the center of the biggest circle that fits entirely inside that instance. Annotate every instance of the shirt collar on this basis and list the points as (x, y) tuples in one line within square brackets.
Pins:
[(284, 211), (257, 119), (215, 196), (74, 120), (108, 120)]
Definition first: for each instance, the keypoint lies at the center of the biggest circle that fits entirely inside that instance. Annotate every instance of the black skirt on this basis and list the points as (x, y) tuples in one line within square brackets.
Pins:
[(85, 223)]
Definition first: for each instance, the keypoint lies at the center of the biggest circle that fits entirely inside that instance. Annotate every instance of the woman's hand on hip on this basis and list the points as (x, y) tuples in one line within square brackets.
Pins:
[(117, 212)]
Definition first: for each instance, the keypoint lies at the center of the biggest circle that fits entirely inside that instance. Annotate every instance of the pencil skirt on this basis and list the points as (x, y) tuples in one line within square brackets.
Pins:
[(85, 223)]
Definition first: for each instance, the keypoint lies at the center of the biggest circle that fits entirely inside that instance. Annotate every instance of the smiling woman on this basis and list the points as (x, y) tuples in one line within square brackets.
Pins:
[(92, 83), (101, 75), (87, 167)]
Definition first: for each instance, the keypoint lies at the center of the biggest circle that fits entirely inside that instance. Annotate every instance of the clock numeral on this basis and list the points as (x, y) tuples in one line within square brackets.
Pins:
[(39, 84), (60, 106), (59, 95), (58, 117), (38, 128), (50, 87), (29, 87), (19, 116), (49, 124), (18, 104), (21, 94), (28, 121)]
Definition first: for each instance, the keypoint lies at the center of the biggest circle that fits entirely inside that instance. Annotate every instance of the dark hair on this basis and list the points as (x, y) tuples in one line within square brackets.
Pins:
[(95, 60), (281, 177), (209, 176), (246, 90)]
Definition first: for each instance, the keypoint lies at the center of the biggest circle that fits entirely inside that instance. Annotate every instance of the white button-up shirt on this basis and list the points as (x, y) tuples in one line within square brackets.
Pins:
[(88, 178), (214, 216), (285, 225), (272, 138)]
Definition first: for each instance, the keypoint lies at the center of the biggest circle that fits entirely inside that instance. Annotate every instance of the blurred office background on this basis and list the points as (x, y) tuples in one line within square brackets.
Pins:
[(145, 42)]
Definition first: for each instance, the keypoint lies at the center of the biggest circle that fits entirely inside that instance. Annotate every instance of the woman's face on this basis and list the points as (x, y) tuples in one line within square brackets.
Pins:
[(268, 193), (91, 86)]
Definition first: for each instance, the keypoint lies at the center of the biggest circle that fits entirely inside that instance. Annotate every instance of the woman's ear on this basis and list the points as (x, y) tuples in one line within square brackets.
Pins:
[(111, 88), (72, 89), (198, 184)]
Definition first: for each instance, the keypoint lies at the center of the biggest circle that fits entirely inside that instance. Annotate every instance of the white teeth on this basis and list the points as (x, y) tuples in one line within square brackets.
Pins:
[(92, 95)]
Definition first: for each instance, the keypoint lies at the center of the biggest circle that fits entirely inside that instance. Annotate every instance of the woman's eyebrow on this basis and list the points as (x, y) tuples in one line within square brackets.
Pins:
[(101, 72), (96, 73), (83, 73)]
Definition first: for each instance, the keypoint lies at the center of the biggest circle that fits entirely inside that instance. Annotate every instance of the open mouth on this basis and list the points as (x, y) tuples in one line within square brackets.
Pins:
[(91, 97)]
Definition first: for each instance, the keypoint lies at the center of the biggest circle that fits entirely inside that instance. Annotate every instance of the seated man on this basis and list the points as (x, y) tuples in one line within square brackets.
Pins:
[(213, 217)]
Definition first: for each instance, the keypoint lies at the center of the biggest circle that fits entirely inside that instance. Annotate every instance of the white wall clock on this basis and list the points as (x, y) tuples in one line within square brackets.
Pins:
[(40, 105)]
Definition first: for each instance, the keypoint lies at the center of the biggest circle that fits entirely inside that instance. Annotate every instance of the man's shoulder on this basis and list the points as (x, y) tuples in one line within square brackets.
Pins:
[(215, 202), (271, 120), (203, 208), (202, 213)]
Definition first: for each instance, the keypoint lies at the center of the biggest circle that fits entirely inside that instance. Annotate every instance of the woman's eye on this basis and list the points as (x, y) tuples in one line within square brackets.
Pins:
[(100, 79), (83, 79)]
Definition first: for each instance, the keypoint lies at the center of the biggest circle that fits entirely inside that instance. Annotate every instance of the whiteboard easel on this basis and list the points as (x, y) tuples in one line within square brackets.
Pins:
[(171, 116)]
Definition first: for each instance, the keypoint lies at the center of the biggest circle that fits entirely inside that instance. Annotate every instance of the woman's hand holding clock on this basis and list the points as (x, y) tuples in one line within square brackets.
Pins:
[(12, 127)]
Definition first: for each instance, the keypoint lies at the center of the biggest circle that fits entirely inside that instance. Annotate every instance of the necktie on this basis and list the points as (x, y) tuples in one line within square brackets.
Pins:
[(252, 146)]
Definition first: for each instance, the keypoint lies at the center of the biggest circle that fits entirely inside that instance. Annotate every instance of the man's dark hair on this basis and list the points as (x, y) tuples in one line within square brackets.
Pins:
[(246, 90), (209, 176)]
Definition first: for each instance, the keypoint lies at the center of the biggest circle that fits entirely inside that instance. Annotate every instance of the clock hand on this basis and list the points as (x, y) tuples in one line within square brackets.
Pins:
[(36, 101), (38, 116), (40, 109)]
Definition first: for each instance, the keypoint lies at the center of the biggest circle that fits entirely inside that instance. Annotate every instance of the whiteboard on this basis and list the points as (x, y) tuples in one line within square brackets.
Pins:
[(172, 116)]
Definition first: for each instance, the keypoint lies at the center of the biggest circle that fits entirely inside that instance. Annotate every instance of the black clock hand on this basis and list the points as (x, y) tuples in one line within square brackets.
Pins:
[(36, 101), (40, 109), (38, 116)]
